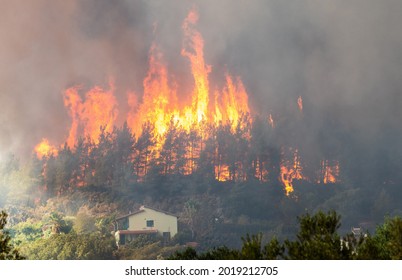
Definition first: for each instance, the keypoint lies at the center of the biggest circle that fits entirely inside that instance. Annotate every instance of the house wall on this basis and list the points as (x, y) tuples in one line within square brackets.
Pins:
[(162, 222)]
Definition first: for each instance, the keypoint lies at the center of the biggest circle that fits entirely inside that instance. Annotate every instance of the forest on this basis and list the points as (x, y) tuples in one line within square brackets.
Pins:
[(224, 183)]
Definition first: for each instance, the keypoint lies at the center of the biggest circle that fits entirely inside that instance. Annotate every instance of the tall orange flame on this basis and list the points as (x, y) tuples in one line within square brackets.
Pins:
[(159, 98), (235, 101), (159, 104), (73, 102), (193, 49), (99, 110)]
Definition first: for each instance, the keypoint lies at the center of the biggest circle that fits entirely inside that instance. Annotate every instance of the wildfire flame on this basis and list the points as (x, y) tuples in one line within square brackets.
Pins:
[(193, 49), (96, 110), (235, 101), (44, 148), (329, 173), (222, 173), (160, 103), (290, 171), (159, 99)]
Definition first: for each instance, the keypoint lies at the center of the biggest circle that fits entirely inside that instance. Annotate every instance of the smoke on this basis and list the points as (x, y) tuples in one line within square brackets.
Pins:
[(343, 57), (47, 47)]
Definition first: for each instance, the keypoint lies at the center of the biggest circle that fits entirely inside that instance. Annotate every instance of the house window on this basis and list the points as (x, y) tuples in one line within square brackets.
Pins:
[(150, 223)]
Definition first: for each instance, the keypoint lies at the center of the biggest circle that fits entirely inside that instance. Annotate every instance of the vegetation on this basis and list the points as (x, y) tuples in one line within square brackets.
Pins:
[(72, 246), (222, 187), (386, 244), (147, 247), (7, 250), (317, 239)]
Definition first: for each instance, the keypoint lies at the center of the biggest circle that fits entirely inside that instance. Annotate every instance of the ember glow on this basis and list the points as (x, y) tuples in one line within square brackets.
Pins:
[(271, 121), (300, 103)]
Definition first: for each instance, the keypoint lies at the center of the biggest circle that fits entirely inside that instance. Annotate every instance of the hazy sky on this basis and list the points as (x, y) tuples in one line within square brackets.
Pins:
[(343, 57)]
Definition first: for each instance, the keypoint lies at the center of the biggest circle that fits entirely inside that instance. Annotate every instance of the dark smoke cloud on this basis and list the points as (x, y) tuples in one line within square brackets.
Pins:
[(343, 57)]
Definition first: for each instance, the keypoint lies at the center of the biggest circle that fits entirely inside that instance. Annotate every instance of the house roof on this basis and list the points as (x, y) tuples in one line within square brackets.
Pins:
[(158, 210), (142, 209), (144, 231), (129, 214)]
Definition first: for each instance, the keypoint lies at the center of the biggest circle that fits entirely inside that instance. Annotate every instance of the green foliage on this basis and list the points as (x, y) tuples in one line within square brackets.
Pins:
[(317, 238), (143, 240), (26, 232), (84, 223), (56, 223), (188, 253), (104, 224), (386, 244), (251, 249), (7, 251), (145, 249), (72, 246), (220, 253), (273, 250)]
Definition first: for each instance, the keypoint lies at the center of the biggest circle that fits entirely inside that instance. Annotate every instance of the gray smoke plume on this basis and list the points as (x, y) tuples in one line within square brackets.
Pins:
[(343, 57)]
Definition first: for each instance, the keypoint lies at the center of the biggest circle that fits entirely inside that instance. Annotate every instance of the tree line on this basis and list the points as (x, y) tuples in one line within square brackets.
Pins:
[(253, 150), (248, 151)]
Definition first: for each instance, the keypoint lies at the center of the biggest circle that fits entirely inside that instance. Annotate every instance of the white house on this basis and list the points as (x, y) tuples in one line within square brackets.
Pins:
[(146, 220)]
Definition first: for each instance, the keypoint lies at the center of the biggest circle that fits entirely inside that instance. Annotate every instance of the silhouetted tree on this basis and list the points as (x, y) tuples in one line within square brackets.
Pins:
[(317, 238), (123, 149), (81, 174), (144, 150), (102, 165), (65, 164)]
